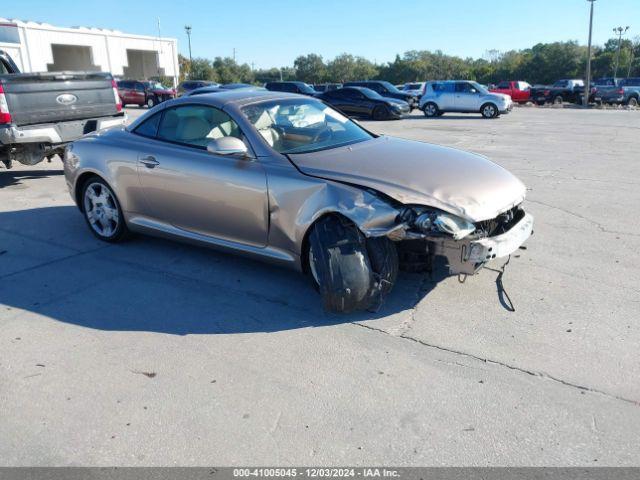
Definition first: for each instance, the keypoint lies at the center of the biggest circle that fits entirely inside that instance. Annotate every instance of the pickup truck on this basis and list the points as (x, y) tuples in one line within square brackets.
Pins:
[(561, 91), (519, 92), (41, 112), (627, 92)]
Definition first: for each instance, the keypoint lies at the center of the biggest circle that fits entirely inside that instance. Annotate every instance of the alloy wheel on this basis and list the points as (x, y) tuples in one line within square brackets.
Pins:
[(101, 210), (489, 111)]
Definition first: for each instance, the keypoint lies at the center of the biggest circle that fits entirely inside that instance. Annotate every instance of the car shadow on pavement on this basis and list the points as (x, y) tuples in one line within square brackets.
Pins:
[(16, 177), (155, 285)]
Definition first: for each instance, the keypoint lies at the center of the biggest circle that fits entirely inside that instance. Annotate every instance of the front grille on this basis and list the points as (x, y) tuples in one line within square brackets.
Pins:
[(501, 224)]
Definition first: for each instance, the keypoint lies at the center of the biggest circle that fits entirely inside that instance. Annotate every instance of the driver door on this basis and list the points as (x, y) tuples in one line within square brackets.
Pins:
[(467, 97), (214, 195)]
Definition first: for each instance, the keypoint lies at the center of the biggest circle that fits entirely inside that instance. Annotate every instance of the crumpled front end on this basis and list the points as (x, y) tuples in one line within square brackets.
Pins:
[(423, 233)]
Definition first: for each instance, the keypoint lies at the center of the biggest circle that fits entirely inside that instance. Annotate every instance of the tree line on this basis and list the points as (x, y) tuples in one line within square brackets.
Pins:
[(540, 64)]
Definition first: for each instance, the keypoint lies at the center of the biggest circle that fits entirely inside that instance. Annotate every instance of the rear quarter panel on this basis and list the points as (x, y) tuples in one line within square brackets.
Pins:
[(111, 155)]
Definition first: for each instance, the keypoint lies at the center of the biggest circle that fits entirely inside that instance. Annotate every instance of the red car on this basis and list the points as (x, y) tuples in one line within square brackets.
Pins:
[(144, 93), (518, 90)]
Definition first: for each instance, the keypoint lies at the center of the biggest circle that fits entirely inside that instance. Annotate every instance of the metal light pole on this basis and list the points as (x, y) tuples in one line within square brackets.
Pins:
[(187, 28), (620, 31), (587, 84), (637, 39)]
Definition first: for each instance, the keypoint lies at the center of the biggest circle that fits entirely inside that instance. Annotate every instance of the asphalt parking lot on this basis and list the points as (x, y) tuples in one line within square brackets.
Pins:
[(156, 353)]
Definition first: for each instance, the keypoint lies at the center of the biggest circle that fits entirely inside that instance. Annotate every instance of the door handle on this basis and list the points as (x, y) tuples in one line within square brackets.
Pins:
[(149, 161)]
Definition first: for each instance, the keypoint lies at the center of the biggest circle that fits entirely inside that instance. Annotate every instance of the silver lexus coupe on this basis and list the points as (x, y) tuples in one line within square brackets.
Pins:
[(288, 179)]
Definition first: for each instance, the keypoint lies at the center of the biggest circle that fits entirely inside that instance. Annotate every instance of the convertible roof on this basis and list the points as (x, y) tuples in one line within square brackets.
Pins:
[(238, 96)]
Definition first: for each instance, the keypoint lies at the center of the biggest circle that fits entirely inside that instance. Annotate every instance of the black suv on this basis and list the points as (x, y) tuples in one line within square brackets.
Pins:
[(291, 87), (387, 90)]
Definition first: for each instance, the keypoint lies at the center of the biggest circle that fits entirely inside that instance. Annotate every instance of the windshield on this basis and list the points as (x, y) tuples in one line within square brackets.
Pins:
[(390, 87), (155, 85), (305, 88), (480, 88), (302, 126), (367, 92)]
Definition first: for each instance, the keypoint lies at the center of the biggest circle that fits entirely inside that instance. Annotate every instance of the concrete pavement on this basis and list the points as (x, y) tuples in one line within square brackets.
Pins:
[(156, 353)]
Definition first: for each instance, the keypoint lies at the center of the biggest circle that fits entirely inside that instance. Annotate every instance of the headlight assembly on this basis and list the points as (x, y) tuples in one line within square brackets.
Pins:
[(435, 221)]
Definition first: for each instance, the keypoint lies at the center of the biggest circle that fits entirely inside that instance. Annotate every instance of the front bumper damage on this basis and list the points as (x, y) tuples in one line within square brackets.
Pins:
[(467, 256), (464, 256)]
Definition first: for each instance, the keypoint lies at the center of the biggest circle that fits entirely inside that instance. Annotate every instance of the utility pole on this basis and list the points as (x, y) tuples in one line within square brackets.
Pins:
[(234, 54), (637, 39), (587, 84), (159, 52), (620, 31), (187, 28)]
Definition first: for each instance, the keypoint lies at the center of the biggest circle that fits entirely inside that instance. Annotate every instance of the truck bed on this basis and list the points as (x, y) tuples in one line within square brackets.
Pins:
[(51, 97)]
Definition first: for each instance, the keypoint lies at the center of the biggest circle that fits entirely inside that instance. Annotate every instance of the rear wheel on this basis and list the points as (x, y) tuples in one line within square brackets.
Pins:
[(102, 211), (632, 102), (350, 271), (430, 110), (558, 100), (381, 112), (151, 102), (489, 110)]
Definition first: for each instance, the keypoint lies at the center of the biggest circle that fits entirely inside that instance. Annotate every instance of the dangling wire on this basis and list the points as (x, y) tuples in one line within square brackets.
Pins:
[(502, 293)]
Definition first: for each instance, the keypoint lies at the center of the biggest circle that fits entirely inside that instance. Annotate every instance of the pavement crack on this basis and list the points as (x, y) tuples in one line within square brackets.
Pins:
[(532, 373), (419, 295), (54, 261)]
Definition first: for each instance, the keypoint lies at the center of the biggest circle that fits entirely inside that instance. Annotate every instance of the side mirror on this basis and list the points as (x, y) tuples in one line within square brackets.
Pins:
[(227, 146)]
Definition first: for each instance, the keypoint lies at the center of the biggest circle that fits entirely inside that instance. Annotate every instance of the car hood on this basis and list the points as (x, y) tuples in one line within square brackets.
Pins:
[(498, 96), (395, 101), (411, 172)]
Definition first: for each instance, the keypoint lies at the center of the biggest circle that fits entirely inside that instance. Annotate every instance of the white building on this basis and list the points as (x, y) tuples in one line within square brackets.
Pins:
[(40, 47)]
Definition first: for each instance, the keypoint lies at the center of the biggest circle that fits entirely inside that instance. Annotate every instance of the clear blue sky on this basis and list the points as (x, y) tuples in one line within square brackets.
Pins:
[(273, 32)]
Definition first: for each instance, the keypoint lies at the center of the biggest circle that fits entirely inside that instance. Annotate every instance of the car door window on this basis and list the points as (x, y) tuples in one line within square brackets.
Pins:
[(196, 125), (149, 128), (464, 87), (504, 85)]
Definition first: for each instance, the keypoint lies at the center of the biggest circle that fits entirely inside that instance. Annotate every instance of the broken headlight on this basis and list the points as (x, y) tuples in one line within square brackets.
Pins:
[(436, 221)]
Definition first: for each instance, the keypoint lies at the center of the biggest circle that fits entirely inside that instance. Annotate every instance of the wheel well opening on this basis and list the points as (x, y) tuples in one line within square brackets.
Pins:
[(80, 183), (304, 254)]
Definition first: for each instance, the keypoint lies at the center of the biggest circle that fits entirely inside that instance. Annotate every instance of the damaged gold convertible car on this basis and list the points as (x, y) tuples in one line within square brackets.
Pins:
[(288, 179)]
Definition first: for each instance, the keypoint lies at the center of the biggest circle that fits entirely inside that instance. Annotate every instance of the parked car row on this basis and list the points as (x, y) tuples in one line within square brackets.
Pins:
[(380, 100)]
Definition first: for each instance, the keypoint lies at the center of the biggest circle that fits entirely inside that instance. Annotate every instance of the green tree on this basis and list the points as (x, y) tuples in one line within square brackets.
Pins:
[(310, 68), (346, 67)]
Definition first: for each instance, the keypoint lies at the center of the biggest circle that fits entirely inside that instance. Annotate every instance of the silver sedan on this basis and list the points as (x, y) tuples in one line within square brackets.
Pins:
[(287, 179)]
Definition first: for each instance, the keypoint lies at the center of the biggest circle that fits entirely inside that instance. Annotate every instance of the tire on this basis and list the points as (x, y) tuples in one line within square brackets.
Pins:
[(489, 110), (102, 211), (350, 271), (381, 112), (430, 110), (558, 100), (632, 102), (540, 103), (151, 102)]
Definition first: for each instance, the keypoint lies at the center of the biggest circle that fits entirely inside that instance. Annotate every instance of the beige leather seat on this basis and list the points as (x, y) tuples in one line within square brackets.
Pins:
[(264, 125), (193, 130)]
